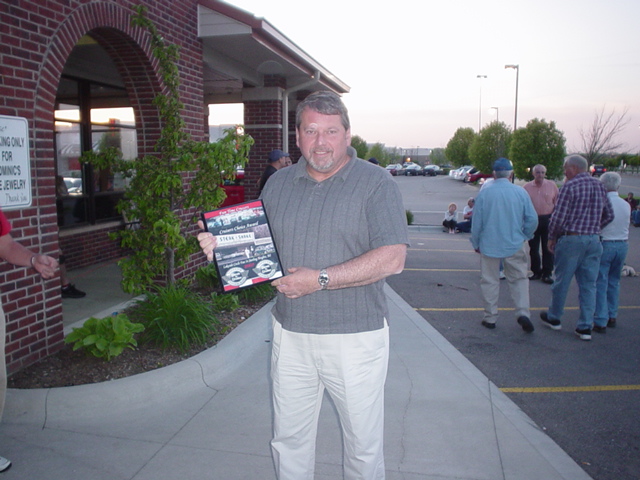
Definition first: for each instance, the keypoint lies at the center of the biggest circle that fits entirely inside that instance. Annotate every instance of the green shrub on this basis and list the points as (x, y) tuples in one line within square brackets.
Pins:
[(176, 317), (224, 303), (207, 277), (409, 217), (259, 293), (105, 337)]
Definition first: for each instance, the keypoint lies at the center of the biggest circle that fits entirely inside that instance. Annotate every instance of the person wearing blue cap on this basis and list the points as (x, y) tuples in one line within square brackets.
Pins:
[(277, 160), (503, 221)]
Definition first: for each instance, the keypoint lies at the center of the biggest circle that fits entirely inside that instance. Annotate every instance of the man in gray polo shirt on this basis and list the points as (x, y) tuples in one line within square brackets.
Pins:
[(340, 229)]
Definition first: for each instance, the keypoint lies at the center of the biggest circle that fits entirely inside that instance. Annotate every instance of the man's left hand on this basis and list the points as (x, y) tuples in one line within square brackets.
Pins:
[(301, 281)]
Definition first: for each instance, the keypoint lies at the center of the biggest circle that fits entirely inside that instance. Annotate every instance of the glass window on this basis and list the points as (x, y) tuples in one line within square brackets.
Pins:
[(87, 195)]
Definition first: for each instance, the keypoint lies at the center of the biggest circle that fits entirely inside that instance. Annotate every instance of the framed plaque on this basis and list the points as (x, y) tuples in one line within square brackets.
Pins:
[(246, 253)]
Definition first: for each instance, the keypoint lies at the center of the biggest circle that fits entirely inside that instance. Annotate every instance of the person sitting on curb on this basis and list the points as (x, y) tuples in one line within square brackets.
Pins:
[(467, 213), (450, 215)]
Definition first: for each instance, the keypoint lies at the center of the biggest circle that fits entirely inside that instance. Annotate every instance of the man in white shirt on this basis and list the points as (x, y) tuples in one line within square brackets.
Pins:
[(615, 245)]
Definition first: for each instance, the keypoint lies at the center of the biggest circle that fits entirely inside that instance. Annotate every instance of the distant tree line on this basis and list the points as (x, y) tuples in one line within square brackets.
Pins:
[(540, 141)]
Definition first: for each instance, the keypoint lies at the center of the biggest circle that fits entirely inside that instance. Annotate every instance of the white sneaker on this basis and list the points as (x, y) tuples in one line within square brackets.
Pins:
[(5, 463), (502, 275)]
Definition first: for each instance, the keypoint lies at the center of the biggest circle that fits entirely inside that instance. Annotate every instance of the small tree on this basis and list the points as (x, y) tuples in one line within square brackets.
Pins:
[(601, 138), (539, 142), (157, 192), (490, 144), (360, 146), (378, 151), (457, 150), (438, 156)]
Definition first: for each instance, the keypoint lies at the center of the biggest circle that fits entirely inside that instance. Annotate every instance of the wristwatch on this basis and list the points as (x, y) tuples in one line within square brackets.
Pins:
[(323, 279)]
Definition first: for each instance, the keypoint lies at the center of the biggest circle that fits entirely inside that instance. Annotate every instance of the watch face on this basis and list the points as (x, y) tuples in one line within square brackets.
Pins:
[(323, 278)]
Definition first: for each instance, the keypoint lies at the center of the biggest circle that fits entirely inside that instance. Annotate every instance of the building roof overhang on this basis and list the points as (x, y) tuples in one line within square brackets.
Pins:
[(239, 49)]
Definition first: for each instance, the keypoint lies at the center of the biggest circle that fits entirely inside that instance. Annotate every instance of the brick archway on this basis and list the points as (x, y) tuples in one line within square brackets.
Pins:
[(128, 47)]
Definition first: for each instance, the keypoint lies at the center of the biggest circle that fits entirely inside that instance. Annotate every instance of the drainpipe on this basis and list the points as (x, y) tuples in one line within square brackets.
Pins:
[(285, 108)]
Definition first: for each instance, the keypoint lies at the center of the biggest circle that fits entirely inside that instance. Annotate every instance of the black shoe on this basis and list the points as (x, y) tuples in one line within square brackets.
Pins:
[(584, 333), (535, 276), (550, 322), (70, 291), (598, 329), (547, 279), (526, 324), (611, 323), (490, 326)]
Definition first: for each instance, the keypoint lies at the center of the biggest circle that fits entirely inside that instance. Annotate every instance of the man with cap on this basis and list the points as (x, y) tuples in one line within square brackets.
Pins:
[(277, 160), (503, 221)]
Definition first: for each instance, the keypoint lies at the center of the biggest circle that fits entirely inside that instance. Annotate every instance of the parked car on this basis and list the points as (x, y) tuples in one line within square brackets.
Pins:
[(395, 169), (597, 170), (462, 171), (431, 170), (475, 175), (413, 169)]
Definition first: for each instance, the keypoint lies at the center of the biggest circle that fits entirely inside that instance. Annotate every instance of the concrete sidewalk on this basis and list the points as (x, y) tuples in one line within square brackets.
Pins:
[(209, 417)]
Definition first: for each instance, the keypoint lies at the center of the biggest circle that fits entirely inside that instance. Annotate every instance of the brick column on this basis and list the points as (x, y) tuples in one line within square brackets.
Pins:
[(263, 121)]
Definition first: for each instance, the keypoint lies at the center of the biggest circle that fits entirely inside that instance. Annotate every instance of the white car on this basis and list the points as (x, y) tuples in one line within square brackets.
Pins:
[(462, 172)]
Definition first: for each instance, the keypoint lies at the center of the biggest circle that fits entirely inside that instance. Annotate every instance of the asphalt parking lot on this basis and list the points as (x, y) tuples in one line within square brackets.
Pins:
[(585, 395)]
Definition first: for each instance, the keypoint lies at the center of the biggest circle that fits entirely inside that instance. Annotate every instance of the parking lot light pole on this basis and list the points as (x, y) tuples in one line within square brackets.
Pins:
[(497, 113), (515, 119), (480, 108)]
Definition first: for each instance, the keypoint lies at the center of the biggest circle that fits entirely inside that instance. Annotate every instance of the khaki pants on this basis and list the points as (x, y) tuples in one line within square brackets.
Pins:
[(515, 269), (353, 369)]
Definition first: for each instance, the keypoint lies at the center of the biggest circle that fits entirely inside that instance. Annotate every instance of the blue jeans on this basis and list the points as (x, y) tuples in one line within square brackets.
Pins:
[(577, 255), (608, 283)]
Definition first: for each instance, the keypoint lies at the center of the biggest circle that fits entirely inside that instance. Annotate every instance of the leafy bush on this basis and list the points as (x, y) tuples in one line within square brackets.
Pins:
[(207, 277), (105, 337), (176, 317), (222, 303), (258, 293)]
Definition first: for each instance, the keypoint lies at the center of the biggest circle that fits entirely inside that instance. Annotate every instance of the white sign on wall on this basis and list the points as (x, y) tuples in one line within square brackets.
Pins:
[(15, 166)]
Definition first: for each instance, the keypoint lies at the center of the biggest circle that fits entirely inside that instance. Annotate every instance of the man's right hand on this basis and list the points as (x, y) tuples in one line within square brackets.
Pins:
[(208, 241)]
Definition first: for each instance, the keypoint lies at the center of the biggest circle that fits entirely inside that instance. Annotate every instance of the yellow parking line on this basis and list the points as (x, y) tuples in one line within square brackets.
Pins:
[(594, 388)]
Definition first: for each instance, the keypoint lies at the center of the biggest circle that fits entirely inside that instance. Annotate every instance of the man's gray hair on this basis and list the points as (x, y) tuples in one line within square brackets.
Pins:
[(502, 173), (611, 181), (577, 161), (326, 103)]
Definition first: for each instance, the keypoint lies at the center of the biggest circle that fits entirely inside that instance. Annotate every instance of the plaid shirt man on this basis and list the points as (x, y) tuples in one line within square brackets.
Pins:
[(582, 208)]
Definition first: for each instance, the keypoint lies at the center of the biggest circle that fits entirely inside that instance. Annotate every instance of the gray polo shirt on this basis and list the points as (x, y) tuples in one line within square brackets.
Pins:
[(321, 224)]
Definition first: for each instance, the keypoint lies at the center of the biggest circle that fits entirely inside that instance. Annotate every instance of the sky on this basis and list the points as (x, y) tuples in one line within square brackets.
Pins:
[(413, 66)]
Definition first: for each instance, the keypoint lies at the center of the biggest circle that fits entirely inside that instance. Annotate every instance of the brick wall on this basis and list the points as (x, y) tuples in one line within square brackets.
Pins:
[(263, 118), (36, 39)]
